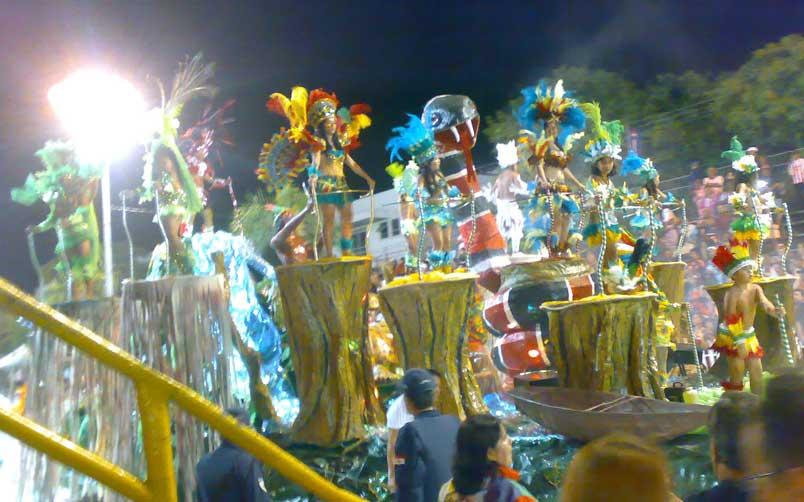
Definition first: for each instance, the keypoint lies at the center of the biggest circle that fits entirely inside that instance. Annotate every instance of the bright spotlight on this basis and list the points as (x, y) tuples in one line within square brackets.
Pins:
[(103, 113), (533, 353)]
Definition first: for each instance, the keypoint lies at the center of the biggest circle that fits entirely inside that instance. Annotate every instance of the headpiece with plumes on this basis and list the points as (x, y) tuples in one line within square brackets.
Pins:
[(199, 141), (543, 104), (605, 137), (740, 160), (634, 164), (294, 109), (191, 81), (414, 139), (507, 154), (406, 178), (322, 105), (729, 259), (61, 165)]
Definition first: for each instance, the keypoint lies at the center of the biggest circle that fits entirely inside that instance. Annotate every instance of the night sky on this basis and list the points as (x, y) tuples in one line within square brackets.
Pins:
[(391, 55)]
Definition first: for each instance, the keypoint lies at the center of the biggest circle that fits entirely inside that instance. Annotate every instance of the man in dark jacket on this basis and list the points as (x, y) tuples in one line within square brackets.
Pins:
[(230, 474), (426, 446)]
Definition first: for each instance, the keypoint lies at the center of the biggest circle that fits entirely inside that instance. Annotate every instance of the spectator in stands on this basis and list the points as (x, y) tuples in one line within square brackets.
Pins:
[(696, 173), (729, 421), (713, 181), (482, 469), (782, 413), (618, 467), (230, 473), (796, 172), (425, 446)]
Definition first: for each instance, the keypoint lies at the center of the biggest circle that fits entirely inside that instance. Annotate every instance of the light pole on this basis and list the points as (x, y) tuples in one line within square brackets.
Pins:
[(104, 115)]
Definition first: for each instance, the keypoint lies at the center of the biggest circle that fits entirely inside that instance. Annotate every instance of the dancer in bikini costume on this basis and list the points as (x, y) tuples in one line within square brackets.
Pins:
[(69, 188), (736, 338), (328, 134), (562, 120), (417, 143), (602, 151), (166, 177)]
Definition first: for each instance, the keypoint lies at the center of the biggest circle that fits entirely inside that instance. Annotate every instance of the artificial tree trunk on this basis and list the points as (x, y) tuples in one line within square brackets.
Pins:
[(428, 320), (325, 311), (606, 343)]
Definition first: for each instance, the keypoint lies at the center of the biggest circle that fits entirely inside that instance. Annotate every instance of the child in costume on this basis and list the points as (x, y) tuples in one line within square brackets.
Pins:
[(509, 183), (736, 338), (166, 177), (602, 151), (563, 122), (333, 133), (416, 141), (751, 223), (406, 182), (650, 196), (69, 188)]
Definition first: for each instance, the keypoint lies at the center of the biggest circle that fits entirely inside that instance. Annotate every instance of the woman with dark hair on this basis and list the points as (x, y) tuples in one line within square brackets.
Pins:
[(482, 468), (432, 192), (333, 141)]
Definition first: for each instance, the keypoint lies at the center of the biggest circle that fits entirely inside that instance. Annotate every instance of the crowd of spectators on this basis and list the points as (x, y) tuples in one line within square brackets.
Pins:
[(755, 450), (709, 218)]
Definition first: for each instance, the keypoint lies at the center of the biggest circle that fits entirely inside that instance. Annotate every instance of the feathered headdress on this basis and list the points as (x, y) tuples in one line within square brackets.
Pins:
[(605, 137), (740, 160), (406, 179), (414, 140), (507, 154), (281, 160), (634, 164), (294, 109), (61, 164), (199, 141), (543, 104), (732, 258), (322, 105), (191, 81)]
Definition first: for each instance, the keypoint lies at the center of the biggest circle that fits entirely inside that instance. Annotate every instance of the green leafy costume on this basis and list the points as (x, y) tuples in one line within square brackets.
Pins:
[(62, 180)]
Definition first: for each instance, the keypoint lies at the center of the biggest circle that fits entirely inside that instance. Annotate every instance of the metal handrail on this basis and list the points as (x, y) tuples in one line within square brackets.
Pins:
[(154, 391)]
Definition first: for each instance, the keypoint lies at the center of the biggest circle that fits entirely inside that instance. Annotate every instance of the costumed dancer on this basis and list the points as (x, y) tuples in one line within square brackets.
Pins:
[(197, 143), (335, 135), (736, 338), (406, 182), (319, 140), (508, 185), (416, 142), (563, 121), (602, 151), (69, 188), (746, 201), (166, 177), (650, 196)]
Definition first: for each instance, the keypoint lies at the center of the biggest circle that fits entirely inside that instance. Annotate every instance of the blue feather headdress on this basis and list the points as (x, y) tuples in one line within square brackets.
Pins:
[(634, 164), (543, 104), (414, 140)]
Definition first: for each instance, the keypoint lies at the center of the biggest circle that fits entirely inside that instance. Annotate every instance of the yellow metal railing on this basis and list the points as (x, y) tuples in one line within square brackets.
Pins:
[(154, 391)]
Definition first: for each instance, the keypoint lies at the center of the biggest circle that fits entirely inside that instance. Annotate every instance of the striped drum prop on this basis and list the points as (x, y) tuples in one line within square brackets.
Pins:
[(526, 285)]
